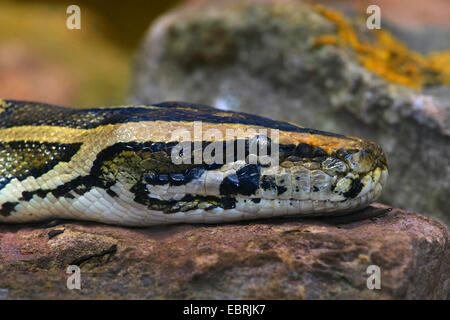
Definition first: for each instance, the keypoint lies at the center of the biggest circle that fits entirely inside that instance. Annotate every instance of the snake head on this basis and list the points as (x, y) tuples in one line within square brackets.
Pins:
[(343, 172)]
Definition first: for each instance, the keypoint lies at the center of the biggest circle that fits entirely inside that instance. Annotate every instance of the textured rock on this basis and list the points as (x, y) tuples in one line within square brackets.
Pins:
[(276, 259), (264, 59)]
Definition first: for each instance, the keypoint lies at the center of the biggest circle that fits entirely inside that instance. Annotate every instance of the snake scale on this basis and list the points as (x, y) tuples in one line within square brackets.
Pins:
[(121, 165)]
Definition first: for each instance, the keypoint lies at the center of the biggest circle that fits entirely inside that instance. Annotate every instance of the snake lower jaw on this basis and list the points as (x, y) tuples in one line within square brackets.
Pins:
[(245, 208), (271, 208)]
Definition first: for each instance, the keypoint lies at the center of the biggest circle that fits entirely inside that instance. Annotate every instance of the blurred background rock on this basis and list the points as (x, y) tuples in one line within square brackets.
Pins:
[(202, 59)]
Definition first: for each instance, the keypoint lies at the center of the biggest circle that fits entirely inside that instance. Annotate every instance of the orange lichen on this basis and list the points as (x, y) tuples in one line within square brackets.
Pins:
[(388, 57), (323, 40)]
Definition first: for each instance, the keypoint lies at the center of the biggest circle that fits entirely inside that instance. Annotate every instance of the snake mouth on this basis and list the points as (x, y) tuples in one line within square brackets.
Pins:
[(346, 196), (307, 180), (216, 209), (343, 181)]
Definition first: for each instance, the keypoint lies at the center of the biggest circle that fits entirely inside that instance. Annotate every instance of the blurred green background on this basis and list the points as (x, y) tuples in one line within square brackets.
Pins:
[(42, 60)]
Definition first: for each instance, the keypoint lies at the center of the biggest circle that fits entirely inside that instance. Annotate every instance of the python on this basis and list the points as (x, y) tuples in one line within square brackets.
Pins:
[(113, 165)]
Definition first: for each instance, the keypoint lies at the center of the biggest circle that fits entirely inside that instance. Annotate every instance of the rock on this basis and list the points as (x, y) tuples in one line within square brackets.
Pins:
[(283, 60), (288, 258), (415, 16)]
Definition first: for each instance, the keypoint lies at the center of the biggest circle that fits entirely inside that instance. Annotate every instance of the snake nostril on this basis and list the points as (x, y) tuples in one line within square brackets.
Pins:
[(381, 159), (361, 160), (260, 145)]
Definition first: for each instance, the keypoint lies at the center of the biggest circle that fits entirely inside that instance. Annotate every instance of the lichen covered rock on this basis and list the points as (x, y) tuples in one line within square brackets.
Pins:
[(287, 258), (306, 64)]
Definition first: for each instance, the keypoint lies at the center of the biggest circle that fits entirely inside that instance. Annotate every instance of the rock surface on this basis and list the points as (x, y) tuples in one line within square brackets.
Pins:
[(287, 258), (263, 59)]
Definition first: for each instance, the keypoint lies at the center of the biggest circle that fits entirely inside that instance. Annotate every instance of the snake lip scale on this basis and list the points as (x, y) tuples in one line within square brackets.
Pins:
[(115, 165)]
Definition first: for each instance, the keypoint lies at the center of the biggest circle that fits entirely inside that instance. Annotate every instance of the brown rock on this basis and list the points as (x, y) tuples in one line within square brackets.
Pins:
[(287, 258)]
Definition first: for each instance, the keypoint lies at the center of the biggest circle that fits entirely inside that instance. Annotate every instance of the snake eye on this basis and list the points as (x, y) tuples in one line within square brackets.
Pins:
[(259, 151), (259, 145), (358, 160), (334, 166)]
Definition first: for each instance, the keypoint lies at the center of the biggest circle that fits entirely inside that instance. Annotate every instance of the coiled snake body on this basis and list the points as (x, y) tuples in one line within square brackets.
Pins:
[(115, 165)]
